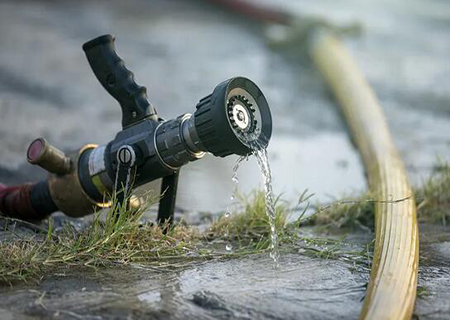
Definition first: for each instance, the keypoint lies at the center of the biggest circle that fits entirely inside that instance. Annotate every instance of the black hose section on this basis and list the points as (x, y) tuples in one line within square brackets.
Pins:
[(41, 199)]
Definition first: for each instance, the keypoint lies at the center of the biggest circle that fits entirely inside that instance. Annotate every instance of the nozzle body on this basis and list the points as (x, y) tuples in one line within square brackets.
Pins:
[(233, 119)]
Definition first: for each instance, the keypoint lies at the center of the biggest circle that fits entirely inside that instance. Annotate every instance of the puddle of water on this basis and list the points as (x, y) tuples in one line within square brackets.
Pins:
[(150, 297), (236, 289)]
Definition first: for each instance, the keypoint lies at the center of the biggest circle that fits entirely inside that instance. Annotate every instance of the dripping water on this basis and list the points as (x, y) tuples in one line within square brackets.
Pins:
[(263, 163), (260, 153), (235, 180)]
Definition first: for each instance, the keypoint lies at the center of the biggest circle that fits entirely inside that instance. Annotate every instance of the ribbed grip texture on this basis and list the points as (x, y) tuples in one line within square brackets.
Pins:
[(111, 72), (205, 127)]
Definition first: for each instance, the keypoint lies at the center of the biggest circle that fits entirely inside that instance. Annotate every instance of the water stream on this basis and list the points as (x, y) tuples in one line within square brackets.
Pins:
[(263, 163), (235, 180)]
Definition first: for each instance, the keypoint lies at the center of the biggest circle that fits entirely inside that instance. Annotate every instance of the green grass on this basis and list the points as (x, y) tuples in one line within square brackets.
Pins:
[(250, 227), (120, 238), (432, 198), (347, 213), (423, 292)]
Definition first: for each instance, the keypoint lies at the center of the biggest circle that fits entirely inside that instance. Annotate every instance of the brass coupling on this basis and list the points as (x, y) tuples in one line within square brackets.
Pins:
[(64, 183)]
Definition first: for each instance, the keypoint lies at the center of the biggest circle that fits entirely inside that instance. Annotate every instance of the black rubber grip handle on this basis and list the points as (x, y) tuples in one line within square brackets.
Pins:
[(110, 70)]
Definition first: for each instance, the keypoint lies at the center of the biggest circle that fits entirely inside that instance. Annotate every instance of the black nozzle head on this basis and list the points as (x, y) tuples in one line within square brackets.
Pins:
[(234, 119)]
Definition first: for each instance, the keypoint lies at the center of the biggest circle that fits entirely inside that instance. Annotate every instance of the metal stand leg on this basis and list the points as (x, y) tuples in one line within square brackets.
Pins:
[(166, 208), (126, 158)]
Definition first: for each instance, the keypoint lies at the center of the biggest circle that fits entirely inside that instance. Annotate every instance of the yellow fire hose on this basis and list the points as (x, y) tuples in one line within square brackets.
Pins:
[(392, 288)]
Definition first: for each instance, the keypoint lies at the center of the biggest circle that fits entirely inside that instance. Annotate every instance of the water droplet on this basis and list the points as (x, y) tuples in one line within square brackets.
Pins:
[(228, 247)]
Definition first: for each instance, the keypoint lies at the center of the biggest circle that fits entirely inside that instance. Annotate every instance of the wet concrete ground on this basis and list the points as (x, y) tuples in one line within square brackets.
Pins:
[(180, 50), (304, 287)]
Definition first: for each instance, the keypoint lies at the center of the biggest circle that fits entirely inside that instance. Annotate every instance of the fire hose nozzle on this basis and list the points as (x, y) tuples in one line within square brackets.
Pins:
[(48, 157), (234, 119)]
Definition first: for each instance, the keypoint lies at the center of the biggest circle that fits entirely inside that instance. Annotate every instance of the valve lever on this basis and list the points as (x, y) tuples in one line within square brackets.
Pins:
[(126, 158)]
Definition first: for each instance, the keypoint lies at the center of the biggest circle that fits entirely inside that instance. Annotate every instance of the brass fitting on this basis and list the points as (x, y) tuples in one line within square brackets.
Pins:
[(48, 157), (64, 183)]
